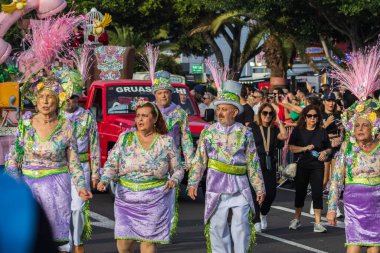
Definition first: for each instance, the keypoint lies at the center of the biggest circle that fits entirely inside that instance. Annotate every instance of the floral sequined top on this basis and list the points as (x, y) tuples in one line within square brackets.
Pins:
[(365, 165), (58, 150), (232, 145), (129, 160), (178, 126), (86, 134)]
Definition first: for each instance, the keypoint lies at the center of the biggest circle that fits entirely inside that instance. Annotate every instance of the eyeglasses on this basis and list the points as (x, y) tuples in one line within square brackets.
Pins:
[(266, 113), (315, 116)]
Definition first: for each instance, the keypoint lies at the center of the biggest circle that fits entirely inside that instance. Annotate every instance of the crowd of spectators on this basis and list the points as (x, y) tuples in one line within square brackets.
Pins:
[(286, 110)]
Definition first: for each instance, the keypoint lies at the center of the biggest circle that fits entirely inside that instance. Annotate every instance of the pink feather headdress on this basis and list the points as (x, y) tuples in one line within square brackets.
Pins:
[(362, 74), (218, 73), (150, 59), (47, 40)]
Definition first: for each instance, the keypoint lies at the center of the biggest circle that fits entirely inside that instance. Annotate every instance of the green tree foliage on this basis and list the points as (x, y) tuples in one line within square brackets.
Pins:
[(148, 18), (356, 20)]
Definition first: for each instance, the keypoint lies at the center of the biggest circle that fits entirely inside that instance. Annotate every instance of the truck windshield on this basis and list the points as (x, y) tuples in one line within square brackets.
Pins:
[(122, 99)]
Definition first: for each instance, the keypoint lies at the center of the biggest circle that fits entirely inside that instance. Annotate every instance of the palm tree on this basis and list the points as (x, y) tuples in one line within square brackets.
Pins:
[(230, 26), (279, 55), (126, 36)]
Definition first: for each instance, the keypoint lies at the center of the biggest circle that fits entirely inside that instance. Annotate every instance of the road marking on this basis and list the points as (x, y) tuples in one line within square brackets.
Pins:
[(286, 189), (339, 224), (101, 221), (291, 243)]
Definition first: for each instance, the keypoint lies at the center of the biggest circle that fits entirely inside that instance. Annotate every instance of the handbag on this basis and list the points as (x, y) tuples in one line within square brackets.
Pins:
[(290, 170)]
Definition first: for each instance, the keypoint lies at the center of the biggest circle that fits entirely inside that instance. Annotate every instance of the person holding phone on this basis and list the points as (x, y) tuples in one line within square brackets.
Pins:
[(311, 146), (332, 124)]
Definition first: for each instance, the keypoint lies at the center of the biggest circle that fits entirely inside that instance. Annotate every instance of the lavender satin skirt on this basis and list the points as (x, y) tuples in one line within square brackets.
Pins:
[(54, 195), (148, 215), (362, 211)]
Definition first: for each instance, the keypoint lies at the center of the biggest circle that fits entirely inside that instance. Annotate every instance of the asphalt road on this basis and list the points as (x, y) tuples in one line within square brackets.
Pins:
[(189, 238)]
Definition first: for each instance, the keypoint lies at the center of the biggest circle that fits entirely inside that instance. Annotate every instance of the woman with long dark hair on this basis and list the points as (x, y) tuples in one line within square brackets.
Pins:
[(311, 146), (332, 123), (268, 138), (148, 168)]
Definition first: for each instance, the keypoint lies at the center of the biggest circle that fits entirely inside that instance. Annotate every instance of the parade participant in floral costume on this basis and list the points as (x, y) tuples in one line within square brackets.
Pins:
[(148, 168), (227, 149), (358, 161), (175, 117), (86, 135), (45, 154)]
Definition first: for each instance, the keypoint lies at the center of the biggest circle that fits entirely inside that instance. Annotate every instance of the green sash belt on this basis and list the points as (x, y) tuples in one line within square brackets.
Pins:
[(371, 181), (83, 157), (227, 168), (142, 186), (44, 172)]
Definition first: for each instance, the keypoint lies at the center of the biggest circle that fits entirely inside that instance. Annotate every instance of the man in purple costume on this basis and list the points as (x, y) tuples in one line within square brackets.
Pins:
[(175, 117), (227, 149)]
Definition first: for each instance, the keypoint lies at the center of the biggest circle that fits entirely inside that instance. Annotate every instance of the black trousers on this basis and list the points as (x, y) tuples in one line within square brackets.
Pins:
[(271, 190), (305, 175)]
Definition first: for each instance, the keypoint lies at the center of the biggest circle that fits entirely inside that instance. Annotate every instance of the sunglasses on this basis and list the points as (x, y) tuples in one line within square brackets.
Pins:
[(266, 113), (205, 98), (315, 116)]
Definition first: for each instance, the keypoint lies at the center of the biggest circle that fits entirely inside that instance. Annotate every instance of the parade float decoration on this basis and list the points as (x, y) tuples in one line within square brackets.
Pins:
[(96, 24)]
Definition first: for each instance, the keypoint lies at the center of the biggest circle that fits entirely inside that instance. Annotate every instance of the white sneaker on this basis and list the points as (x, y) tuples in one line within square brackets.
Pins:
[(318, 228), (294, 224), (264, 222), (258, 227), (311, 208), (338, 213)]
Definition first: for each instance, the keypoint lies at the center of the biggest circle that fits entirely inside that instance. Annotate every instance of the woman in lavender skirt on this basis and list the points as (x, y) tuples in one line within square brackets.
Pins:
[(358, 161), (45, 157), (148, 168)]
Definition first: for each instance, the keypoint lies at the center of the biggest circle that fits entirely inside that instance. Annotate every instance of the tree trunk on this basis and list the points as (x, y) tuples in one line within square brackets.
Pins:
[(274, 58)]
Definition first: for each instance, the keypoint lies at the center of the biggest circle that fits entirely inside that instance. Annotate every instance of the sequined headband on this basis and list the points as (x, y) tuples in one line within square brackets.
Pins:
[(142, 103)]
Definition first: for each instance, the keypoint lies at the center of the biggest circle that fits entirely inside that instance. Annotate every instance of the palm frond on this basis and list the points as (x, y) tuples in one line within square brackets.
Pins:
[(252, 43), (200, 29), (229, 17)]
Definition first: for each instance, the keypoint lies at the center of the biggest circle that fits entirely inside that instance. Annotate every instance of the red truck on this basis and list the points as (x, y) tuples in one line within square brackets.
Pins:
[(111, 102)]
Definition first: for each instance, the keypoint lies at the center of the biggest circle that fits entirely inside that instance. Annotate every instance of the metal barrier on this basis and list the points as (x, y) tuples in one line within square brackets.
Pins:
[(284, 157)]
